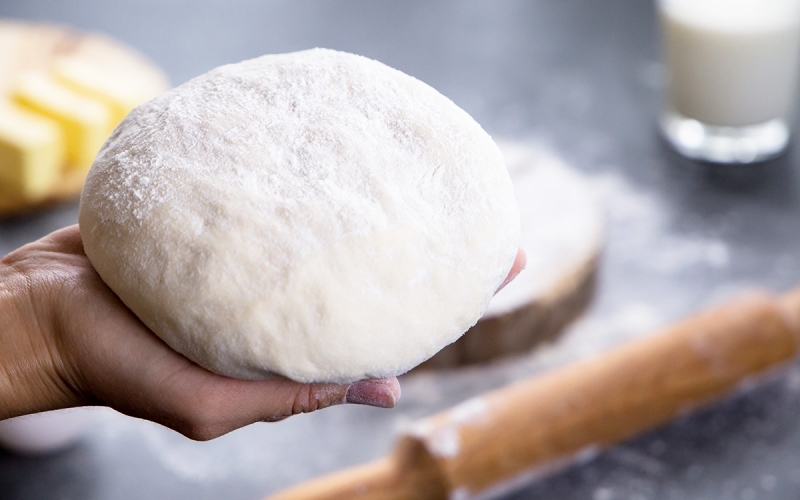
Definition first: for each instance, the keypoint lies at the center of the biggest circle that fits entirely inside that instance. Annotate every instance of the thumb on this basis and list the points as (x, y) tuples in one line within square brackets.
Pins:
[(204, 406), (229, 404), (294, 398)]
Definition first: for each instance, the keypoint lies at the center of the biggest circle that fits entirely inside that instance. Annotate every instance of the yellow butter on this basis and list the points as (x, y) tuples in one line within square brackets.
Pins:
[(85, 121), (102, 83), (31, 154)]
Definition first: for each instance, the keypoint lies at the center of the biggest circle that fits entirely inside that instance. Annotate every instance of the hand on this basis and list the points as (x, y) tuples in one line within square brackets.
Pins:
[(67, 340)]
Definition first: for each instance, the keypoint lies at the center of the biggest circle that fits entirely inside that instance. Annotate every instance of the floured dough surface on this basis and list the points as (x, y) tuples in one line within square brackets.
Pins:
[(317, 215)]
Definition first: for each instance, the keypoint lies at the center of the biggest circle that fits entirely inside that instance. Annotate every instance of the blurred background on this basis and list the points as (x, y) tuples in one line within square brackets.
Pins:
[(580, 79)]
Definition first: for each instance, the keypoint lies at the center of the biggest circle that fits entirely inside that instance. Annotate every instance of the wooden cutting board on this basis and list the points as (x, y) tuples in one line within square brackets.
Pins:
[(562, 234)]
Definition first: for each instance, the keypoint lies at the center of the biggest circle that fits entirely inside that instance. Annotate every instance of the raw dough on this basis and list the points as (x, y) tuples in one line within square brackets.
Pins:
[(317, 214)]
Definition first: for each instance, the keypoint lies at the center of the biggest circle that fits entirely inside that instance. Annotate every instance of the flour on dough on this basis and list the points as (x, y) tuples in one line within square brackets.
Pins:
[(317, 215)]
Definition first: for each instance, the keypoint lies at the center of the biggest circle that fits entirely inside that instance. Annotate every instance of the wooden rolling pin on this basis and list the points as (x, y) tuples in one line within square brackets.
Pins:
[(528, 429)]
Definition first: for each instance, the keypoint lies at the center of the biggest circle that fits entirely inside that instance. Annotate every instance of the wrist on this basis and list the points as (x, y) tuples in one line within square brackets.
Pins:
[(30, 375)]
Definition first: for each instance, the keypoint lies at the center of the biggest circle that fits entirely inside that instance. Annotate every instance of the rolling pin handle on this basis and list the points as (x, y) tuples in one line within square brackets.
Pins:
[(789, 305)]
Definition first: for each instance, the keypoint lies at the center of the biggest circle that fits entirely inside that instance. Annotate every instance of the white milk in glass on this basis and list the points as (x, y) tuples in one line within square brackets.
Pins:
[(732, 67)]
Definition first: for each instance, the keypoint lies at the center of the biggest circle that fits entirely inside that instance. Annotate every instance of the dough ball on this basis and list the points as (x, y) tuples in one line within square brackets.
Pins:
[(317, 215)]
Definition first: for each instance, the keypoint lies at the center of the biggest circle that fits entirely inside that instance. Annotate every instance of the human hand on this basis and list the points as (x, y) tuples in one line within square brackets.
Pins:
[(69, 341)]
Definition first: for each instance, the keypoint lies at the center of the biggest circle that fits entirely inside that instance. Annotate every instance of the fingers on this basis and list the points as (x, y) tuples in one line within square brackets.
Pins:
[(128, 368), (218, 405), (204, 406), (516, 268)]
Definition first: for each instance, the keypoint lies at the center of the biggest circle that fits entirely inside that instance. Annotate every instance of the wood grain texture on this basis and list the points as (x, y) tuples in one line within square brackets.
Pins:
[(529, 428)]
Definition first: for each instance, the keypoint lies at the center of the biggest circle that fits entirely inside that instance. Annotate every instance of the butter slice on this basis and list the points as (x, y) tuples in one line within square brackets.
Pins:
[(119, 90), (85, 122), (31, 154)]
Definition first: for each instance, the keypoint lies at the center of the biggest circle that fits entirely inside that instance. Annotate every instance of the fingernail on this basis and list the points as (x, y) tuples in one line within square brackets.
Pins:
[(520, 262), (382, 393)]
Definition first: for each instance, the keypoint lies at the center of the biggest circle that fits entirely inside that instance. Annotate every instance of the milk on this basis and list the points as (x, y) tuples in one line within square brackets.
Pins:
[(731, 62)]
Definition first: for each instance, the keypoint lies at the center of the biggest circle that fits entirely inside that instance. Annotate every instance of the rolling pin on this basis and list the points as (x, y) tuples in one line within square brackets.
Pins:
[(515, 434)]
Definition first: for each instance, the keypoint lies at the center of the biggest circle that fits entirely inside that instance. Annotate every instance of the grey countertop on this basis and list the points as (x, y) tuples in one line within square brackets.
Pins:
[(580, 77)]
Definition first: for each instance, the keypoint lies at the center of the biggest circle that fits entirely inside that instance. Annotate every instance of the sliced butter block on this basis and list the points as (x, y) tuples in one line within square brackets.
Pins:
[(102, 68), (114, 56), (117, 90), (85, 79), (84, 121), (31, 154)]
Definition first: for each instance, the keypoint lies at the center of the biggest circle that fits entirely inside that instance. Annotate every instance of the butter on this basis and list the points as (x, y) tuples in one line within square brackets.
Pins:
[(85, 122), (31, 154), (115, 89), (62, 91)]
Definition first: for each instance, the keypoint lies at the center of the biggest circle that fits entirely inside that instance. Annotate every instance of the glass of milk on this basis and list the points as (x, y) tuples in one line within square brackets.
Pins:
[(732, 68)]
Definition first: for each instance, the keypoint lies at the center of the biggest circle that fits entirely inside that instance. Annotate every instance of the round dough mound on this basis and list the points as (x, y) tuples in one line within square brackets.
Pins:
[(317, 215)]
